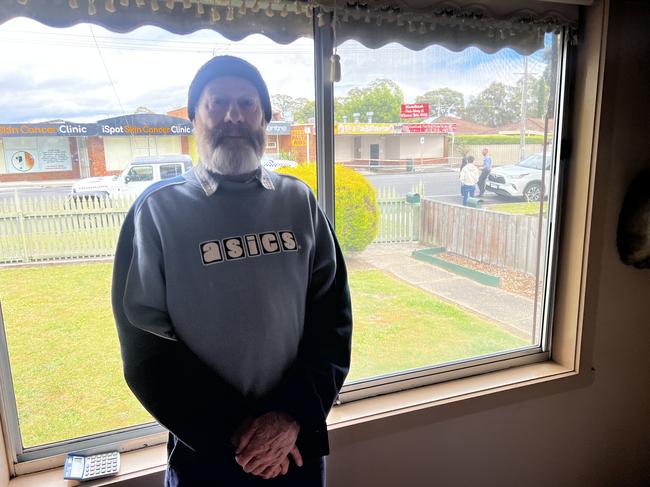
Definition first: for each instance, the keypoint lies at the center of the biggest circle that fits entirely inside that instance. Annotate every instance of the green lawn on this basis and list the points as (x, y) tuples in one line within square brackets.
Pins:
[(524, 208), (65, 355), (400, 327)]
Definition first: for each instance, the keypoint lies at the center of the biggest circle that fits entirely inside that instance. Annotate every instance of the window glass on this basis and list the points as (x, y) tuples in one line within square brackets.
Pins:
[(80, 104), (141, 173), (170, 170), (441, 200)]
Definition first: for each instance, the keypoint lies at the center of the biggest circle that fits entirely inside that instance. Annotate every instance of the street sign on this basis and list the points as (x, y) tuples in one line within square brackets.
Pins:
[(414, 110)]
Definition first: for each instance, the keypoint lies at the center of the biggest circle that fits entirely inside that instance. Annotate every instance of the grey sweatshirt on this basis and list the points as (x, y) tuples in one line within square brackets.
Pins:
[(250, 281)]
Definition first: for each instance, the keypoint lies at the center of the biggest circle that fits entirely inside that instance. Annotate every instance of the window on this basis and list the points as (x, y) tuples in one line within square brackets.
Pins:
[(56, 257), (442, 279), (170, 170), (140, 173)]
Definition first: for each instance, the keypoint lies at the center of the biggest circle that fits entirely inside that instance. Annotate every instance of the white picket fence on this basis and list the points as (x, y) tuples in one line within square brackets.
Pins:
[(54, 228), (48, 228), (399, 221)]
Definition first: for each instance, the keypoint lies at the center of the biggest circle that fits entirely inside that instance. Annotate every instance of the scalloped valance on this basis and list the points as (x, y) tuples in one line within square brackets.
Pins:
[(489, 25)]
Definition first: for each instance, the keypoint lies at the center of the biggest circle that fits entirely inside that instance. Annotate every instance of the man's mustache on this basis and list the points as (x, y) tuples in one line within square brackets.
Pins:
[(222, 133)]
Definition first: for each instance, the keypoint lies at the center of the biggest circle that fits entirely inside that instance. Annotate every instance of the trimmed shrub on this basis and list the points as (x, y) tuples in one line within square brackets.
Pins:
[(357, 213)]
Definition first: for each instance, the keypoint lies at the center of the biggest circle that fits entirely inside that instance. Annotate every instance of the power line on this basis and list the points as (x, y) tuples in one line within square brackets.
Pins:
[(108, 74)]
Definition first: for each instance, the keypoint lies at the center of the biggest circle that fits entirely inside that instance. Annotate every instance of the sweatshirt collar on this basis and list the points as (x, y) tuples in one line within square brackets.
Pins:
[(209, 181)]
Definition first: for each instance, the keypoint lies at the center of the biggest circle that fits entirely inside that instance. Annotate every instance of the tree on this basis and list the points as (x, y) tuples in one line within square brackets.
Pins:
[(382, 97), (301, 109), (282, 103), (443, 102), (304, 110), (536, 96), (495, 106)]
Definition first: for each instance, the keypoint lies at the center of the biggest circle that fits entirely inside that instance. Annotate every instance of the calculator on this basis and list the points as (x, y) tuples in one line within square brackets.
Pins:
[(88, 467)]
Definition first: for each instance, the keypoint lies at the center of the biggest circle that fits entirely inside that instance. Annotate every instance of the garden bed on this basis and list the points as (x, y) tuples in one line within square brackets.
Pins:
[(513, 281), (491, 275)]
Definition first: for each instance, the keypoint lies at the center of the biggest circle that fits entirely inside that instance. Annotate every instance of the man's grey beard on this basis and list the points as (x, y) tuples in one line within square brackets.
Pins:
[(230, 156)]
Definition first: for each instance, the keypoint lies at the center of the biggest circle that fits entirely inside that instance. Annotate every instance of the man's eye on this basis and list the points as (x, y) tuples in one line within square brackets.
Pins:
[(218, 102), (247, 104)]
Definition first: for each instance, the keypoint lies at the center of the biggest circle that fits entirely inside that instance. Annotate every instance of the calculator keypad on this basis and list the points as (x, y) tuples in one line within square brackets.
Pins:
[(101, 465)]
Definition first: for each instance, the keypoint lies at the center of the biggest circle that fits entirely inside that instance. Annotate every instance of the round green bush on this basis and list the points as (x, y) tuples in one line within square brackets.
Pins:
[(357, 213)]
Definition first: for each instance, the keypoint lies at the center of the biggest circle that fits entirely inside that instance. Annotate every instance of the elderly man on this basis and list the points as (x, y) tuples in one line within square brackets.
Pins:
[(231, 301)]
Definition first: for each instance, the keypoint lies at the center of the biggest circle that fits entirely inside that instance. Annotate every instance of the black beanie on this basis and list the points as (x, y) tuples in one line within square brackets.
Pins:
[(227, 66)]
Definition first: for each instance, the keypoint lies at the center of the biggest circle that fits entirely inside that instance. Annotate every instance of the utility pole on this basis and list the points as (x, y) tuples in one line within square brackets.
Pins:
[(522, 122)]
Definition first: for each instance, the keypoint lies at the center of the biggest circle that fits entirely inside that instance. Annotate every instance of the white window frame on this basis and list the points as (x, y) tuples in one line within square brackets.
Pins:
[(27, 460)]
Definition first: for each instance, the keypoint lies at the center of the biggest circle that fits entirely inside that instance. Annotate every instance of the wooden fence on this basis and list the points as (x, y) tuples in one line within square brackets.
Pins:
[(501, 239), (53, 228)]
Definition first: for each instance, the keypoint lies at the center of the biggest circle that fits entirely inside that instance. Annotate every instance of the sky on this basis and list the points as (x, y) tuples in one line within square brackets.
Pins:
[(85, 73)]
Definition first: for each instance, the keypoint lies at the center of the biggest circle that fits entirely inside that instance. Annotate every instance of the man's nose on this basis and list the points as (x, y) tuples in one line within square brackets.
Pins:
[(233, 114)]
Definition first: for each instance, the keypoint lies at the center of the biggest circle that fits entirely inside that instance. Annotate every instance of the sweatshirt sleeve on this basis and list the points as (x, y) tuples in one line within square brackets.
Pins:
[(173, 385), (312, 384)]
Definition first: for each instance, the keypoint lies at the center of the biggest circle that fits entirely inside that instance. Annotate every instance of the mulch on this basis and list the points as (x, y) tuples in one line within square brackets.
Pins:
[(513, 281)]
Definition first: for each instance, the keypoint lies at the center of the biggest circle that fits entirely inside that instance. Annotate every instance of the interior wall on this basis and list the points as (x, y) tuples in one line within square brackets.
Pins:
[(591, 430)]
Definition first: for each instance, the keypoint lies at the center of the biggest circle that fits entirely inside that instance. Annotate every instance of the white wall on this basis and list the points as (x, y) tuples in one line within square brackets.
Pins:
[(119, 151), (410, 146), (343, 148)]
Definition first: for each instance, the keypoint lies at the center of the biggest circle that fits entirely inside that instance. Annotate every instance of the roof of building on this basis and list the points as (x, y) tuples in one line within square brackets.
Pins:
[(463, 127), (179, 112), (533, 125)]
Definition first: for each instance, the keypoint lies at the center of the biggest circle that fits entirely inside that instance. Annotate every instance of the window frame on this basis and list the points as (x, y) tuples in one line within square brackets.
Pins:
[(38, 458)]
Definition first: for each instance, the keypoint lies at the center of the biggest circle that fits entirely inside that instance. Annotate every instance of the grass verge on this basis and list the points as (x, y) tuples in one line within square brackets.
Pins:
[(525, 208)]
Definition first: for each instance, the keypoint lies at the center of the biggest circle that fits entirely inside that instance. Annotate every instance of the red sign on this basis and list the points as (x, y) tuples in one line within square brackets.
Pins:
[(428, 128), (414, 110)]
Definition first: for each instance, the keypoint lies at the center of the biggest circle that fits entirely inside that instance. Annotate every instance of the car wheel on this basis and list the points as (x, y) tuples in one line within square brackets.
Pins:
[(533, 192)]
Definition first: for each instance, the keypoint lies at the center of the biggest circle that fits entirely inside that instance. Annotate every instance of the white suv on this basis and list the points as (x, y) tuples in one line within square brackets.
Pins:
[(137, 176), (523, 179)]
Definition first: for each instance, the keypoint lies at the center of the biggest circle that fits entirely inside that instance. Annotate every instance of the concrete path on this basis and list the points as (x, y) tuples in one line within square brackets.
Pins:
[(508, 310)]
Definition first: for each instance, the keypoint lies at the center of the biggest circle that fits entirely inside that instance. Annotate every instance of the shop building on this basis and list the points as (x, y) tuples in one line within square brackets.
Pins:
[(65, 150)]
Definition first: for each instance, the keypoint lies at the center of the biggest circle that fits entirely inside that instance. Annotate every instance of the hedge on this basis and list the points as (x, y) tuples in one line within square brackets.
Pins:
[(497, 139), (357, 213)]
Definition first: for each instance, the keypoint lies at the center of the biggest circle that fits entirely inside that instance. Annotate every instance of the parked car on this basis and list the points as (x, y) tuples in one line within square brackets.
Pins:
[(273, 164), (136, 177), (521, 180)]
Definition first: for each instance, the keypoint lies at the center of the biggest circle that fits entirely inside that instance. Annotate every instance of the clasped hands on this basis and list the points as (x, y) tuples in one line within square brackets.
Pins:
[(265, 443)]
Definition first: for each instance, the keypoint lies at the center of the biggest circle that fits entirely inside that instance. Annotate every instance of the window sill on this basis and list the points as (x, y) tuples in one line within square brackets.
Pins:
[(151, 460), (134, 464)]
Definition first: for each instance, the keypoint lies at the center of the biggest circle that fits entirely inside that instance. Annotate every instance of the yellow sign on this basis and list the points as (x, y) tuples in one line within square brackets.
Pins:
[(298, 137), (364, 128)]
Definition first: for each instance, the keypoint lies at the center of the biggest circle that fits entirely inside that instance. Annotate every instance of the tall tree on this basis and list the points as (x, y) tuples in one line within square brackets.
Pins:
[(382, 97), (304, 110), (443, 102), (282, 103), (495, 106), (536, 96), (299, 109)]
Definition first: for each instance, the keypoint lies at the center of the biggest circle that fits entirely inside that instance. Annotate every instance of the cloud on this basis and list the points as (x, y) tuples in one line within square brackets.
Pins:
[(85, 73)]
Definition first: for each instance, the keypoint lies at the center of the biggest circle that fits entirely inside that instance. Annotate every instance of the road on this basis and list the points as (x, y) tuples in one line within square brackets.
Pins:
[(8, 193), (443, 185)]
